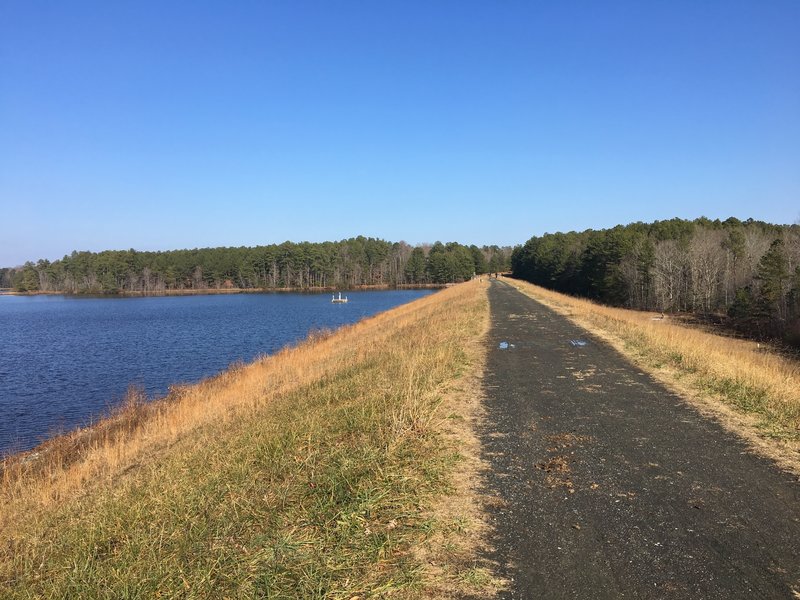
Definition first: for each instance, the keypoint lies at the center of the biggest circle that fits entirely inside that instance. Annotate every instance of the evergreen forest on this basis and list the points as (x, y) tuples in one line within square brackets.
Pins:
[(745, 274), (344, 264)]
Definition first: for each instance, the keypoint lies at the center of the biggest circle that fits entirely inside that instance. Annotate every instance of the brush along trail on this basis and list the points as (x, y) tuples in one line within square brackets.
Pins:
[(611, 486)]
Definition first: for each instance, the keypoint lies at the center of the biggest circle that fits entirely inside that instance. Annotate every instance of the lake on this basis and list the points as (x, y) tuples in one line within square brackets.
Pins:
[(66, 360)]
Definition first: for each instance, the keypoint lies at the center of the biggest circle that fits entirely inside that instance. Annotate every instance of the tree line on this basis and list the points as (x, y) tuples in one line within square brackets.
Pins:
[(746, 273), (344, 264)]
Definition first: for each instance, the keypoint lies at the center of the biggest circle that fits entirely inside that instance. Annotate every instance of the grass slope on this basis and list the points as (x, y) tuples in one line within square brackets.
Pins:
[(309, 474)]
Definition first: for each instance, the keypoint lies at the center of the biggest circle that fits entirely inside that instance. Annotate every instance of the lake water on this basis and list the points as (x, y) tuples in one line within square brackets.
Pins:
[(65, 360)]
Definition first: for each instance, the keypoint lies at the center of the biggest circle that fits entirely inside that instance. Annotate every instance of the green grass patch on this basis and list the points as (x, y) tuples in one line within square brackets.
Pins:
[(776, 420)]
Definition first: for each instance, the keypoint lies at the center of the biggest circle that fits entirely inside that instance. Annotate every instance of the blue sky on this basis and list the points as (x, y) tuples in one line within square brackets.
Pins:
[(161, 125)]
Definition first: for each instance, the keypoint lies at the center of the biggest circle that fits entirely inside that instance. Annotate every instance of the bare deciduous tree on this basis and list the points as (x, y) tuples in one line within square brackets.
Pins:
[(706, 260), (669, 268)]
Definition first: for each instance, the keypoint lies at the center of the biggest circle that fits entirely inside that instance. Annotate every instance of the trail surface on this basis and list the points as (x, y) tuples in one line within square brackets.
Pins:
[(611, 486)]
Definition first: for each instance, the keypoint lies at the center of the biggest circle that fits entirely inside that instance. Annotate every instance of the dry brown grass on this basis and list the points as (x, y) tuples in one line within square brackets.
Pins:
[(452, 555), (752, 391)]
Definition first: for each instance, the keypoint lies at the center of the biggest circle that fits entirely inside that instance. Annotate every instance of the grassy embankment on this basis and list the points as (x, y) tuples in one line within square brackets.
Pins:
[(752, 391), (338, 468)]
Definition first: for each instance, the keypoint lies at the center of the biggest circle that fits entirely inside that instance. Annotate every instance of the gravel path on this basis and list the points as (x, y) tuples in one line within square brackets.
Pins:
[(610, 486)]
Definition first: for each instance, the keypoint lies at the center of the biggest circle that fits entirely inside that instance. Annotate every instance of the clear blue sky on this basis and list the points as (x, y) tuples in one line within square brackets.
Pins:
[(161, 125)]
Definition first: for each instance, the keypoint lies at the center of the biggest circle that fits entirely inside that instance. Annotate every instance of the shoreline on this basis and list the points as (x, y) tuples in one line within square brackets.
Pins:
[(231, 291)]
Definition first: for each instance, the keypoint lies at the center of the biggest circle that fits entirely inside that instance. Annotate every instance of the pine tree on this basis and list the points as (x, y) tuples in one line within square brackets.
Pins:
[(773, 272), (415, 267)]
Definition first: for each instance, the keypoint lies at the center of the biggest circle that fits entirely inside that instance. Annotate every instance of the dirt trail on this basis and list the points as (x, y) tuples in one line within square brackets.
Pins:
[(611, 486)]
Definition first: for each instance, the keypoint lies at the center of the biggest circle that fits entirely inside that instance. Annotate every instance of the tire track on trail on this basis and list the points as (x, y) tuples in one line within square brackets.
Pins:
[(608, 485)]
